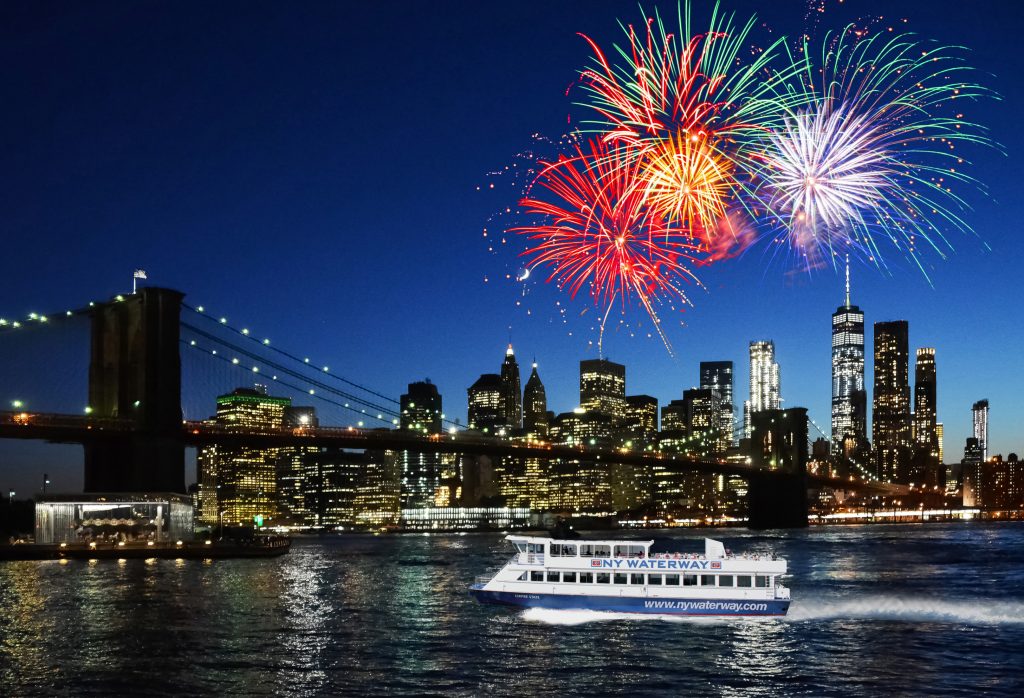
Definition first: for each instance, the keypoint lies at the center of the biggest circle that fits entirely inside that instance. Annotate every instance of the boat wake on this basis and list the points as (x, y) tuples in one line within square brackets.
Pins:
[(910, 609), (883, 608)]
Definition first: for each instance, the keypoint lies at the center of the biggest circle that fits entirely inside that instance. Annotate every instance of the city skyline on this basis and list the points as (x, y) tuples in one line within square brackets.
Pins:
[(297, 205)]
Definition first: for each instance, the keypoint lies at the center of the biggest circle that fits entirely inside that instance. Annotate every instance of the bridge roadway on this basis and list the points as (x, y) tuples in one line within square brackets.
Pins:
[(62, 428)]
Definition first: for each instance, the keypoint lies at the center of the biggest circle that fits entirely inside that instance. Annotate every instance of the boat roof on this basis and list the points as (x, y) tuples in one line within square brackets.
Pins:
[(609, 541)]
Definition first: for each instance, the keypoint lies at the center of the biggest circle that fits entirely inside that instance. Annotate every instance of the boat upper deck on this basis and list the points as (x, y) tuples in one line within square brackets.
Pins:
[(633, 554)]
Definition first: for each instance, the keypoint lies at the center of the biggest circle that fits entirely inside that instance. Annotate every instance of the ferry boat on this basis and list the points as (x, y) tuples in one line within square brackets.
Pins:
[(626, 577)]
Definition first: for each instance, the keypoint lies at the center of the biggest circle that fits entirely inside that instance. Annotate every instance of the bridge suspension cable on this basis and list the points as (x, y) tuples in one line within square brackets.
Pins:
[(290, 372), (265, 343), (863, 471), (391, 419), (244, 332)]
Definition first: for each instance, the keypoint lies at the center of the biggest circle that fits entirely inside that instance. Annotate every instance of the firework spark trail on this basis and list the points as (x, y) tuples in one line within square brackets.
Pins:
[(595, 231), (871, 157)]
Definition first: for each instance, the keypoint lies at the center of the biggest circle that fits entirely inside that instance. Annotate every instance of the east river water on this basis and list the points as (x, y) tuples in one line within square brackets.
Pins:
[(878, 610)]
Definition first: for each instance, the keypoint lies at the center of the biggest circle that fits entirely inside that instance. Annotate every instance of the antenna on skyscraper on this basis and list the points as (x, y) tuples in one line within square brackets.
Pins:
[(847, 280)]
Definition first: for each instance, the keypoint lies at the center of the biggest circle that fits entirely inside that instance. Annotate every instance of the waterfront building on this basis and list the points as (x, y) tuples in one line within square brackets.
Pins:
[(333, 479), (244, 478), (421, 472), (765, 390), (293, 469), (511, 391), (718, 376), (378, 490), (486, 412), (1002, 483), (536, 422), (979, 413), (849, 399), (465, 518), (891, 424), (970, 473), (603, 388), (939, 435)]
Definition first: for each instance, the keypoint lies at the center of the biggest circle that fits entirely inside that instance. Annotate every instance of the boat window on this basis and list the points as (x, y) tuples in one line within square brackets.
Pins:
[(563, 549), (672, 580), (707, 580), (521, 547), (536, 576), (604, 578), (744, 580), (636, 578), (586, 577), (620, 577), (569, 577), (654, 579), (629, 551), (552, 576), (761, 581), (522, 577), (602, 551), (689, 580), (725, 580), (535, 547)]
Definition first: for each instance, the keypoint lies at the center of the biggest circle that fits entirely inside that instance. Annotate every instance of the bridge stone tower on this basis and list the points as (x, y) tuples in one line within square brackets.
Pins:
[(135, 373), (777, 496)]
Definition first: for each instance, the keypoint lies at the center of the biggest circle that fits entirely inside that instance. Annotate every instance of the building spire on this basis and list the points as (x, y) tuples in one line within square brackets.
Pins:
[(847, 280)]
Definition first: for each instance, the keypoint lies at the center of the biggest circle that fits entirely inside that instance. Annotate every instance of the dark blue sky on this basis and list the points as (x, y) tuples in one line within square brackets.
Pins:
[(310, 170)]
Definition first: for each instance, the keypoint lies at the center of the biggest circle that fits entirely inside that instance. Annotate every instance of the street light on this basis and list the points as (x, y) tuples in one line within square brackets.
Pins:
[(10, 496), (220, 522), (46, 481)]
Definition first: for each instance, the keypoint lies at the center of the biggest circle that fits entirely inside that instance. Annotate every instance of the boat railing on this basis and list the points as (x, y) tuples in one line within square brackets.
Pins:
[(483, 578), (529, 558)]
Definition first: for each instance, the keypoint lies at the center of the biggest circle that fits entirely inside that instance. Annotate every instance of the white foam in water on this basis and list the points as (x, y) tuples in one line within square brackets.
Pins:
[(888, 608), (911, 609), (568, 617)]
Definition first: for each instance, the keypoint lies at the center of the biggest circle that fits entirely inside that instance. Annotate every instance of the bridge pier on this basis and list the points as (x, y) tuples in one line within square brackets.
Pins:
[(135, 373), (777, 500)]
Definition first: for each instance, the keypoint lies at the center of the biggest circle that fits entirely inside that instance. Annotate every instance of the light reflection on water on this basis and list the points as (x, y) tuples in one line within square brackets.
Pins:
[(876, 610)]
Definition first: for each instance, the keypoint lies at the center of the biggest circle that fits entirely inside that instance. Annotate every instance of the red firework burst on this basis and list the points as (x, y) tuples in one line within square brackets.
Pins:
[(597, 232)]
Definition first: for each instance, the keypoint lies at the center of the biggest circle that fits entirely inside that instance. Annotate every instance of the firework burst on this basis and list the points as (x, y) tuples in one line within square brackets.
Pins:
[(871, 158), (595, 232)]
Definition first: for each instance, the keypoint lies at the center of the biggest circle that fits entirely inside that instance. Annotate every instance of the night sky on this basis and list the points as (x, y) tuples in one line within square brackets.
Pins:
[(311, 170)]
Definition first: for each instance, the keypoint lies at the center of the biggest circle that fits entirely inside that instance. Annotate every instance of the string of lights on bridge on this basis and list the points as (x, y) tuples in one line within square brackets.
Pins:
[(305, 363)]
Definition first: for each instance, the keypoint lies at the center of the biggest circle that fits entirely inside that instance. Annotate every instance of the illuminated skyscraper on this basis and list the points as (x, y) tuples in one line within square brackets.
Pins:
[(939, 435), (486, 407), (764, 382), (535, 405), (925, 426), (511, 393), (703, 409), (293, 469), (980, 414), (717, 376), (246, 477), (641, 425), (890, 427), (849, 399), (421, 472), (603, 388)]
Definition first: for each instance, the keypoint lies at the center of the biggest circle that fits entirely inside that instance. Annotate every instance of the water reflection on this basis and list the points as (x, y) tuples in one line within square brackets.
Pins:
[(369, 615)]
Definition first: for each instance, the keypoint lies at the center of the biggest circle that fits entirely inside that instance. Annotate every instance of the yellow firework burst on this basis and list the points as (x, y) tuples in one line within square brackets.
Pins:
[(687, 182)]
